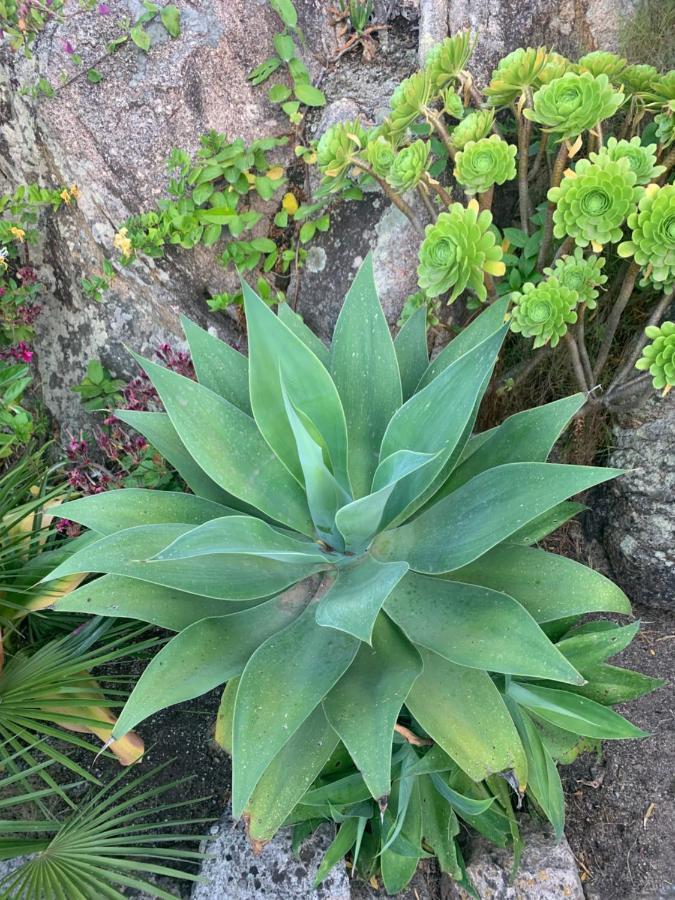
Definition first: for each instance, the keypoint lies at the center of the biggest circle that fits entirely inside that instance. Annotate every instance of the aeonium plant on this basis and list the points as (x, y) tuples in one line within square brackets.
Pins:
[(358, 569), (583, 185)]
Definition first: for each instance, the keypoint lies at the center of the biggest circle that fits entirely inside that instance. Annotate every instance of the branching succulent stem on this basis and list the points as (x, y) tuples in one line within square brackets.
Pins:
[(438, 188), (485, 199), (581, 344), (577, 365), (566, 246), (423, 191), (541, 156), (524, 134), (556, 178), (436, 122), (668, 162), (395, 198), (620, 304)]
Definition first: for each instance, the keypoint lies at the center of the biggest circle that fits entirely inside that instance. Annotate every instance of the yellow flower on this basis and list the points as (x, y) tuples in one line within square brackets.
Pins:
[(18, 233), (122, 243), (290, 203), (65, 196), (74, 191), (275, 173), (3, 264)]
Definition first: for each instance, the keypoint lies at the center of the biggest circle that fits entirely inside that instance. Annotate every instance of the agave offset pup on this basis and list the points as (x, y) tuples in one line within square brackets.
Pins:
[(357, 567)]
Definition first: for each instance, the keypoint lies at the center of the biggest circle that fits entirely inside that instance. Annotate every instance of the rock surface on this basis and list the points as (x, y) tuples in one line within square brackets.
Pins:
[(235, 872), (547, 870), (636, 513)]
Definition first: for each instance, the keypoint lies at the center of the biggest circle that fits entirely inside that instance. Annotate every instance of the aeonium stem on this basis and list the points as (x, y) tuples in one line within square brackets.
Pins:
[(556, 178), (641, 341), (395, 198), (485, 199), (524, 134), (438, 188), (577, 365), (436, 122), (620, 304), (668, 162)]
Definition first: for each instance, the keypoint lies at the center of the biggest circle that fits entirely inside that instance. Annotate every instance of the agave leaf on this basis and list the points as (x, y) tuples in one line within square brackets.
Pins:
[(283, 682), (610, 684), (289, 775), (476, 627), (462, 710), (465, 806), (365, 371), (157, 428), (365, 703), (483, 326), (222, 734), (354, 600), (340, 847), (224, 576), (483, 513), (456, 392), (243, 534), (360, 520), (550, 587), (324, 493), (547, 523), (207, 654), (439, 827), (527, 436), (274, 350), (294, 323), (117, 596), (412, 351), (114, 510), (397, 870), (572, 712), (219, 367), (226, 443), (588, 647), (543, 779)]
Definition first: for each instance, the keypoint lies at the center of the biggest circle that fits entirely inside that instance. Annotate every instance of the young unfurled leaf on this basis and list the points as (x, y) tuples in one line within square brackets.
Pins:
[(170, 17)]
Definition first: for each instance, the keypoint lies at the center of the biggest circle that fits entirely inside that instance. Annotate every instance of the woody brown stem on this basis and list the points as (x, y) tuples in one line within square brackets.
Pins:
[(524, 132), (620, 304), (395, 198), (556, 178)]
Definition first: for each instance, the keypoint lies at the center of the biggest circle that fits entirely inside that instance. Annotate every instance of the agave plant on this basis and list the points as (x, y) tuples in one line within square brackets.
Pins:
[(353, 563)]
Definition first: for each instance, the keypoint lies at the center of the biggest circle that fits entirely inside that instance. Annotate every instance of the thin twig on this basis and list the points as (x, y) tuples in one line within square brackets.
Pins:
[(619, 306), (423, 191), (439, 127), (411, 737), (524, 130), (581, 344), (576, 362), (658, 312), (563, 249), (543, 143), (556, 178), (438, 188), (395, 198), (668, 162)]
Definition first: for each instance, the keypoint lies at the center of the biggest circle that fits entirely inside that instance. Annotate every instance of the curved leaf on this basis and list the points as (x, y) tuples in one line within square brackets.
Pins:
[(275, 351), (549, 586), (354, 600), (412, 353), (484, 512), (205, 655), (228, 577), (243, 534), (462, 710), (365, 371), (476, 627), (226, 443), (282, 684), (115, 510), (295, 323), (365, 703), (117, 596), (219, 367)]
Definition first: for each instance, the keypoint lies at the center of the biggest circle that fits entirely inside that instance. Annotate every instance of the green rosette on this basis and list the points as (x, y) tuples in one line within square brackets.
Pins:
[(572, 104), (580, 273), (408, 101), (602, 62), (641, 159), (409, 166), (457, 252), (337, 148), (446, 60), (543, 311), (380, 155), (452, 104), (658, 357), (665, 125), (638, 79), (652, 242), (662, 90), (555, 67), (474, 127), (514, 74), (592, 202), (481, 164)]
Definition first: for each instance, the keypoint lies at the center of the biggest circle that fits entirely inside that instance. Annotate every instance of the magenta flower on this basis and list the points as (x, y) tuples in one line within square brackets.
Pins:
[(103, 9), (67, 47), (22, 352)]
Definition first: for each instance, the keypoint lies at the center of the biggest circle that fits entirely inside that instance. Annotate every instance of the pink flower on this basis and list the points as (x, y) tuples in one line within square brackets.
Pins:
[(67, 47), (21, 352), (103, 9)]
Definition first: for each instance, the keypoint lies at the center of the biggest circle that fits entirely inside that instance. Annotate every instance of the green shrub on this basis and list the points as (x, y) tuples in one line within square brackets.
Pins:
[(358, 568)]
